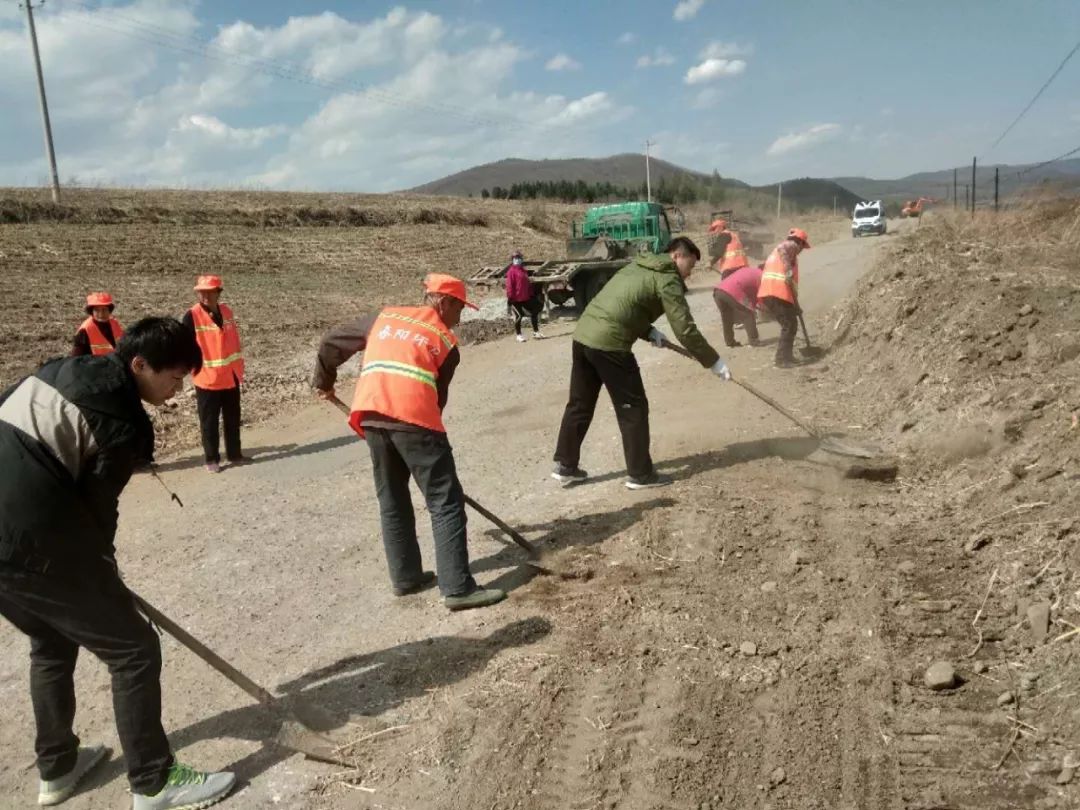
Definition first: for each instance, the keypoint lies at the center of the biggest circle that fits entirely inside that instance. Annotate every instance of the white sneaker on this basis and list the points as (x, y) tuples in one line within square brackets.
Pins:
[(55, 791), (187, 789), (538, 335), (520, 338)]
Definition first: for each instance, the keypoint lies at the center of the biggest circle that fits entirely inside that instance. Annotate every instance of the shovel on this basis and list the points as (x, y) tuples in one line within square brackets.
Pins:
[(810, 350), (829, 444), (513, 534), (295, 733)]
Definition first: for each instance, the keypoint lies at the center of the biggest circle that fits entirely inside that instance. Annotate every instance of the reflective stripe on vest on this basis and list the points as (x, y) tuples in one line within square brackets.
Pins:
[(223, 361), (405, 349), (734, 254), (99, 344), (774, 282)]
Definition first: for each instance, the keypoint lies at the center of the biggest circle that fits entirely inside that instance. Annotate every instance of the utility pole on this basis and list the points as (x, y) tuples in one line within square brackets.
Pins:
[(648, 179), (997, 169), (973, 160), (44, 104), (954, 198), (779, 197)]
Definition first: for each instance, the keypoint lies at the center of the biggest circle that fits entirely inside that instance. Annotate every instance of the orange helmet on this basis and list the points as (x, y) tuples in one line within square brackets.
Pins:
[(207, 283), (448, 285), (718, 225), (800, 234), (99, 299)]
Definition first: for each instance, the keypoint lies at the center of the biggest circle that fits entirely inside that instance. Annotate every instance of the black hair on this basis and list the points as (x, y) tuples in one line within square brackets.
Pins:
[(90, 309), (685, 244), (161, 342)]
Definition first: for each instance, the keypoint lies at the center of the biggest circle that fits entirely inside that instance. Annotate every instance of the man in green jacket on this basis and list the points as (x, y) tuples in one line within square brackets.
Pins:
[(622, 313)]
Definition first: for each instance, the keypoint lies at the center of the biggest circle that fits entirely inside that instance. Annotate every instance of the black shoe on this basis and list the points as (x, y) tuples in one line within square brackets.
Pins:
[(568, 475), (649, 481), (427, 579), (733, 345)]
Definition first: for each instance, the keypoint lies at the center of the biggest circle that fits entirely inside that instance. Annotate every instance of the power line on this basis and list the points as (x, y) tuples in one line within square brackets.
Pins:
[(1070, 153), (1042, 89)]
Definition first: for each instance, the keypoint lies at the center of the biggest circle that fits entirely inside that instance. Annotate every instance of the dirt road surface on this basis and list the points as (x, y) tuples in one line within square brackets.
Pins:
[(732, 648)]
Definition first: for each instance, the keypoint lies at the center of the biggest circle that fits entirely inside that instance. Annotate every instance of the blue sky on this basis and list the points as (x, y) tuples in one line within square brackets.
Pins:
[(368, 96)]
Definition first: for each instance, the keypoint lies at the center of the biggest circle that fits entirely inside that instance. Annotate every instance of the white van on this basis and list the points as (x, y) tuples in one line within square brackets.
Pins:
[(869, 217)]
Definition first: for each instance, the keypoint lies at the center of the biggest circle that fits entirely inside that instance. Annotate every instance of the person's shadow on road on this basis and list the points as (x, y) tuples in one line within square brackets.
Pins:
[(367, 684)]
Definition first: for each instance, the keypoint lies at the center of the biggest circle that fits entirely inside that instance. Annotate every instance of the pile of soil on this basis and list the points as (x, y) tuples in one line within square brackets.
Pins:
[(961, 350)]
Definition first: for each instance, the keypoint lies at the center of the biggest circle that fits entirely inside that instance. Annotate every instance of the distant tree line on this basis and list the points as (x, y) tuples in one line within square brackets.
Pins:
[(670, 189)]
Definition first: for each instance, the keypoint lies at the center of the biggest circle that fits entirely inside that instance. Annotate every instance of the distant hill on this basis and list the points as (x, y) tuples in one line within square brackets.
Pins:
[(939, 184), (809, 192), (626, 170)]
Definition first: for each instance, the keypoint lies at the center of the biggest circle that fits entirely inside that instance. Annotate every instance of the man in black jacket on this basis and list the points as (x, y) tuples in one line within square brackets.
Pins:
[(71, 435)]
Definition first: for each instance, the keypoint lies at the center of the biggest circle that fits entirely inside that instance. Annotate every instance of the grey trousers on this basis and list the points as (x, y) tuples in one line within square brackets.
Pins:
[(426, 457)]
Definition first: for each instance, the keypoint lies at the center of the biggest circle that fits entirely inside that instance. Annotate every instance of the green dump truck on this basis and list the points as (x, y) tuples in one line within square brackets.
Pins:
[(601, 244)]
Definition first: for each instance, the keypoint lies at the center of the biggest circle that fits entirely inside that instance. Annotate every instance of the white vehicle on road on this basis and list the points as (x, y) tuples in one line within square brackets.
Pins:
[(869, 217)]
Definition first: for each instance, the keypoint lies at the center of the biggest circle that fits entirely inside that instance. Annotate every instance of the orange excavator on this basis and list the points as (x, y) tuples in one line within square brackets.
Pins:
[(914, 208)]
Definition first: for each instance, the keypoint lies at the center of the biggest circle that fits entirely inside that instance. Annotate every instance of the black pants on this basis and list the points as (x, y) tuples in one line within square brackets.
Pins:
[(426, 456), (225, 405), (619, 373), (95, 611), (788, 317), (731, 312), (531, 308)]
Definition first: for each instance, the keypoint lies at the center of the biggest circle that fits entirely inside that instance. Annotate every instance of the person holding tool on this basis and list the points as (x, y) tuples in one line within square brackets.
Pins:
[(71, 435), (779, 292), (410, 355), (621, 314)]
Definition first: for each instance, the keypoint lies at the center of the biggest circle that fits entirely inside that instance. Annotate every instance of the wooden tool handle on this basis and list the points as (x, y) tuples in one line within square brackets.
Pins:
[(772, 403), (204, 652)]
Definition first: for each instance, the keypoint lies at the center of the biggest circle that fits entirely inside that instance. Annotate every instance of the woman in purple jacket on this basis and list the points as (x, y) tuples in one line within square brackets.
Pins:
[(521, 297)]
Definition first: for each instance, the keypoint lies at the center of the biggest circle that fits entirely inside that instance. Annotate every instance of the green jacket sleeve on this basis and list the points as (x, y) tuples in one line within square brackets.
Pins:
[(677, 310)]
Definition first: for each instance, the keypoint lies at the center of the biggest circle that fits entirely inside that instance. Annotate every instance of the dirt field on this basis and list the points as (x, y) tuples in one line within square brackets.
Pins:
[(755, 635)]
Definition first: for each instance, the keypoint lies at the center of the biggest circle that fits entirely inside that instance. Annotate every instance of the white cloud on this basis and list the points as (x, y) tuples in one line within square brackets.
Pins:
[(725, 50), (627, 38), (687, 9), (804, 139), (887, 112), (713, 69), (380, 103), (562, 61), (658, 58)]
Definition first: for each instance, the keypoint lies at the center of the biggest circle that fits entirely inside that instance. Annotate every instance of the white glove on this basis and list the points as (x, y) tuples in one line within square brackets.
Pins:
[(657, 338), (720, 369)]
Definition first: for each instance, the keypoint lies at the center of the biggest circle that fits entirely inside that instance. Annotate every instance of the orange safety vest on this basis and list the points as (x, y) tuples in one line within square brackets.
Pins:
[(99, 344), (223, 363), (405, 349), (774, 282), (734, 254)]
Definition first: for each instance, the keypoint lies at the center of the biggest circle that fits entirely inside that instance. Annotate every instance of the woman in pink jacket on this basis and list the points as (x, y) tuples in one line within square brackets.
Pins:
[(521, 297), (736, 298)]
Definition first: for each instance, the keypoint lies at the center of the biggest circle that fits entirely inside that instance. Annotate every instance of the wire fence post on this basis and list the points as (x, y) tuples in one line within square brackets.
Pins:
[(973, 164), (954, 197), (996, 170)]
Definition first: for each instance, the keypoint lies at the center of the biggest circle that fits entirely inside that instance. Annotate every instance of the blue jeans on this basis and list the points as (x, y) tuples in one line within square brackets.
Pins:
[(426, 457)]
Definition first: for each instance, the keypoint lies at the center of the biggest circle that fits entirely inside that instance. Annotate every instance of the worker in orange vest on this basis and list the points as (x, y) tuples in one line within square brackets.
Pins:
[(217, 384), (100, 332), (730, 260), (410, 354), (779, 291)]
